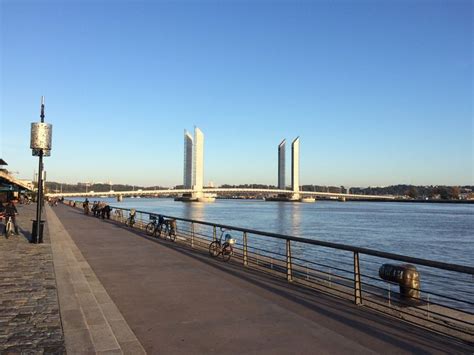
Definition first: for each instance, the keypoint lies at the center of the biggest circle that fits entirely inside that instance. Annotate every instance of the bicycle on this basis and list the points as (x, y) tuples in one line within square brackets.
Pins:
[(9, 229), (131, 218), (152, 226), (118, 215), (167, 228), (224, 249)]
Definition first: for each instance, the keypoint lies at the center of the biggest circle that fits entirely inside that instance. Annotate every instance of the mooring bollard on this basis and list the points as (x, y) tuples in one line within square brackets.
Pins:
[(407, 277)]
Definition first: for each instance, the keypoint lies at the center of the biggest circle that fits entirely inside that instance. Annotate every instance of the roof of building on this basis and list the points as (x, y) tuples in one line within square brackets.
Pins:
[(8, 179)]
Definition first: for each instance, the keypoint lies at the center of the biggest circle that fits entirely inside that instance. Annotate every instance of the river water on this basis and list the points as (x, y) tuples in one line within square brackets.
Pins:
[(442, 232)]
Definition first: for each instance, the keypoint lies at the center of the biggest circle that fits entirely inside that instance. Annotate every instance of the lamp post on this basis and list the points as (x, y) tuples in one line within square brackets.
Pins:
[(40, 144)]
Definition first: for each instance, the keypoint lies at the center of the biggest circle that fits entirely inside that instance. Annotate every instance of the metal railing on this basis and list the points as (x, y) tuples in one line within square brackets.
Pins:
[(446, 304)]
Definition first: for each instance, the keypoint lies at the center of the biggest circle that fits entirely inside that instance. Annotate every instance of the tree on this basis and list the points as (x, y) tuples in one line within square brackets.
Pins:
[(454, 193), (413, 192)]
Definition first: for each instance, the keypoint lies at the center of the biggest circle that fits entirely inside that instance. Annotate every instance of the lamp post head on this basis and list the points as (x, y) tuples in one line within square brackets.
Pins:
[(41, 135)]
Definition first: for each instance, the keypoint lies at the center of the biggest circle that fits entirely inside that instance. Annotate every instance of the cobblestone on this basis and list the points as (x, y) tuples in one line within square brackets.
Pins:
[(30, 321)]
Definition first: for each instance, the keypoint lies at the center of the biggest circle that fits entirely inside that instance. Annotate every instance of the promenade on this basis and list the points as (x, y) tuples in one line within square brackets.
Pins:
[(178, 301), (120, 292), (29, 309)]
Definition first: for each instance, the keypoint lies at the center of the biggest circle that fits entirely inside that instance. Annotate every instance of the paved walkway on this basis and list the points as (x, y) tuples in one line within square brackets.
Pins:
[(91, 321), (177, 301), (29, 312)]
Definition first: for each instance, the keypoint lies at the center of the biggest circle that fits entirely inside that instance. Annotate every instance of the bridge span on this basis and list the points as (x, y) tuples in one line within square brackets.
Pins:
[(218, 191), (194, 177)]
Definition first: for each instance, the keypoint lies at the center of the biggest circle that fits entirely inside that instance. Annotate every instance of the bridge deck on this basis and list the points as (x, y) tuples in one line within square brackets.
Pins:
[(179, 301)]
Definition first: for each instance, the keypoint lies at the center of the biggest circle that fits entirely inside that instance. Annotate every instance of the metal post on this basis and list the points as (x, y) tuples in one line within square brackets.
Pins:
[(39, 196), (192, 234), (357, 283), (214, 235), (389, 296), (289, 272), (246, 260)]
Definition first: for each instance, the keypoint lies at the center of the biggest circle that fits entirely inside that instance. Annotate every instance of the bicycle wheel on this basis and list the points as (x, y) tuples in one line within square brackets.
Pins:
[(8, 229), (214, 249), (150, 228), (227, 251), (158, 230)]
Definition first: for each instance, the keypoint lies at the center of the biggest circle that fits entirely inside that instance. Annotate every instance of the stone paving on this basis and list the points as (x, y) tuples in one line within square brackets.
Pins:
[(29, 310)]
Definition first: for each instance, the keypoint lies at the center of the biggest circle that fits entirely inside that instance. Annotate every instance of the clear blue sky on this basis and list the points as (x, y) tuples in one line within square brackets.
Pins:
[(380, 91)]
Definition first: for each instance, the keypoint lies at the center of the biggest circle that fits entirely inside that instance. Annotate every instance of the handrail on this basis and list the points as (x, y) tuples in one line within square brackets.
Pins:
[(425, 262)]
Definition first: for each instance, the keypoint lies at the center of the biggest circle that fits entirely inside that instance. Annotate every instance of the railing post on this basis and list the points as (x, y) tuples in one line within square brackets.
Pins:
[(357, 283), (214, 235), (289, 271), (246, 261), (192, 234)]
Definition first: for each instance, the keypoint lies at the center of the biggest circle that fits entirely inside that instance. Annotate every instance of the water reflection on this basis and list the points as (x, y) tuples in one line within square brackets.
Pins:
[(195, 210)]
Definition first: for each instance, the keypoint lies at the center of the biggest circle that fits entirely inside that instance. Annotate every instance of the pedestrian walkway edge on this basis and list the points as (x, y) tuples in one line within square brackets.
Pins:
[(91, 320)]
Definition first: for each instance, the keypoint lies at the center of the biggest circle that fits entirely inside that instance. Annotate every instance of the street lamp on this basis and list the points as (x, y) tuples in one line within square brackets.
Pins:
[(40, 144)]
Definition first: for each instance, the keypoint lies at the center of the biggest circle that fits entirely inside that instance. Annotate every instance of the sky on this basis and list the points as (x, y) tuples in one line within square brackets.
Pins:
[(380, 92)]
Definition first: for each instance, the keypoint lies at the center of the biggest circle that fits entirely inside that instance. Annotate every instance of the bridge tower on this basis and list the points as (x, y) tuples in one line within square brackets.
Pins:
[(281, 165), (198, 163), (295, 168), (188, 160)]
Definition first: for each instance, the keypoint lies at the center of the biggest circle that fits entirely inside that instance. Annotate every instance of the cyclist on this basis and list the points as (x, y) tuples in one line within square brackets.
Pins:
[(11, 211)]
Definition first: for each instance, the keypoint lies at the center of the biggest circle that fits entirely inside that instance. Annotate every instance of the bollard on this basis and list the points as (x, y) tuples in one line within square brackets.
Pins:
[(34, 232), (407, 277)]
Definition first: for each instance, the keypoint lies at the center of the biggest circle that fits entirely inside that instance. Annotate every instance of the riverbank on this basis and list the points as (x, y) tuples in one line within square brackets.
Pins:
[(461, 202)]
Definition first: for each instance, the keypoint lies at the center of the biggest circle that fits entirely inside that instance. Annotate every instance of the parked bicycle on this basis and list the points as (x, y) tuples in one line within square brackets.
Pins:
[(155, 224), (160, 227), (222, 248), (131, 218), (118, 215)]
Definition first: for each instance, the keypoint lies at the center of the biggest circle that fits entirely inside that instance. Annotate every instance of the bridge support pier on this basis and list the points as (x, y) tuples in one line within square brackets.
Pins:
[(295, 197)]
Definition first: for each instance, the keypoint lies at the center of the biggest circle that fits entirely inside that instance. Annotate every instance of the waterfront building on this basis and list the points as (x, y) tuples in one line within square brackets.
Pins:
[(281, 165)]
